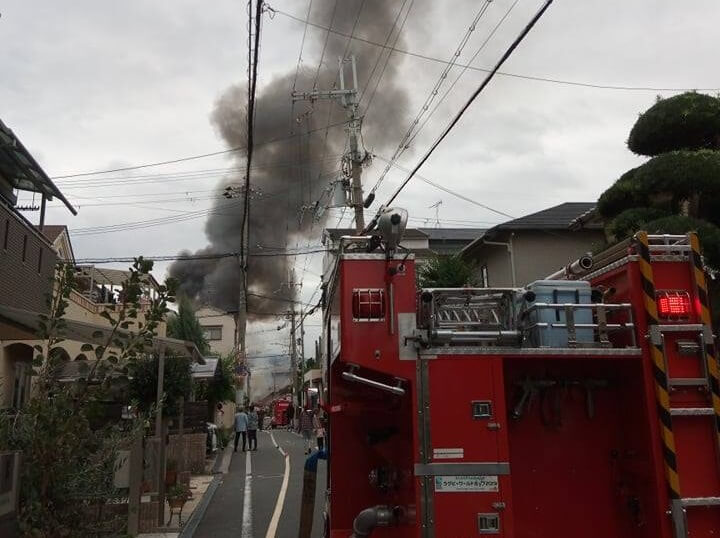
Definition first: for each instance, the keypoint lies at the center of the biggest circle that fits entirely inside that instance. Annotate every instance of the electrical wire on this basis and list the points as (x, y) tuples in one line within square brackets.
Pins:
[(553, 80), (192, 157), (403, 144), (443, 188), (465, 107), (191, 257)]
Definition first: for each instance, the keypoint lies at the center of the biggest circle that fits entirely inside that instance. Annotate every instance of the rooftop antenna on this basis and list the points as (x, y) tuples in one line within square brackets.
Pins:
[(437, 205)]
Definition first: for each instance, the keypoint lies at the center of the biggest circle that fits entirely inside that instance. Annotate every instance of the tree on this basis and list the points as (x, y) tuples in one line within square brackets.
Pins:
[(186, 326), (67, 466), (446, 272), (177, 382), (678, 189)]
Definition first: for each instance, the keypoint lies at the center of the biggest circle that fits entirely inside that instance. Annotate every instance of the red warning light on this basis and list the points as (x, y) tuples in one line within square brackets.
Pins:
[(673, 304)]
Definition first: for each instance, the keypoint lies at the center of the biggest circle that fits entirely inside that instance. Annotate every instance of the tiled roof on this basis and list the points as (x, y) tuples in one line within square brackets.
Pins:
[(51, 231), (453, 234), (559, 217)]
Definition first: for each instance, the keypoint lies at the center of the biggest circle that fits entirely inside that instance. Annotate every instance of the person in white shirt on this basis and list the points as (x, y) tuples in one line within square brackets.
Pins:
[(241, 427)]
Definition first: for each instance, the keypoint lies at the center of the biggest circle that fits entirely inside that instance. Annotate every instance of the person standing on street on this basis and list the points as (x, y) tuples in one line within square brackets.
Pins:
[(261, 417), (319, 430), (252, 428), (306, 427), (290, 411), (241, 427)]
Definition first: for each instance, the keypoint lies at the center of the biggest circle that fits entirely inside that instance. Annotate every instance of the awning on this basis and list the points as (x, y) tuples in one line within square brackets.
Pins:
[(94, 334), (209, 370), (21, 170)]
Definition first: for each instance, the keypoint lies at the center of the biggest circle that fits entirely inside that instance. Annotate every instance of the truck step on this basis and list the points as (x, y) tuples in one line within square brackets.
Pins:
[(692, 411)]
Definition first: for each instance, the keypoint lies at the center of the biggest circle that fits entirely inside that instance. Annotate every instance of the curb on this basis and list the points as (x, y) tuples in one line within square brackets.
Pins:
[(196, 517)]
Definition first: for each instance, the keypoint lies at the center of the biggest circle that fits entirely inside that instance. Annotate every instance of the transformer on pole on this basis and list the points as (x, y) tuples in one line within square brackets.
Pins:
[(356, 156)]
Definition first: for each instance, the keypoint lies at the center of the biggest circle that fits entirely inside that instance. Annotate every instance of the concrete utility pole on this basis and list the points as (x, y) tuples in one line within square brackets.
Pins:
[(302, 358), (293, 359), (349, 100)]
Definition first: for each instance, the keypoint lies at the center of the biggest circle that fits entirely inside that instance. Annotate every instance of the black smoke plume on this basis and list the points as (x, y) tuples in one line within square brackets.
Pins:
[(289, 174)]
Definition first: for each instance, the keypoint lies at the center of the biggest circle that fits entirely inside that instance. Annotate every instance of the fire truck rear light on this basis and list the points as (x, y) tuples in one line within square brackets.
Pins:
[(673, 305), (368, 305)]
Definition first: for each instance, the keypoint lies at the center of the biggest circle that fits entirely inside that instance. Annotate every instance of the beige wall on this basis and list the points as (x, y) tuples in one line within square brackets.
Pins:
[(537, 254), (212, 317)]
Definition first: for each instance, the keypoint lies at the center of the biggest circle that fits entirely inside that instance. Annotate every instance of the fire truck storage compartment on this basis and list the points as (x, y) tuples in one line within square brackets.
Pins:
[(540, 319), (582, 456)]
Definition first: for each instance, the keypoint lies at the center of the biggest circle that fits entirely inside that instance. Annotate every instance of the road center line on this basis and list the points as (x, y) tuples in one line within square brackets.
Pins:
[(247, 531), (272, 528)]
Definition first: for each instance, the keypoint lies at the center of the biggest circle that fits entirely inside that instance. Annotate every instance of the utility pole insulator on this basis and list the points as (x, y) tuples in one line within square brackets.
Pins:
[(348, 99)]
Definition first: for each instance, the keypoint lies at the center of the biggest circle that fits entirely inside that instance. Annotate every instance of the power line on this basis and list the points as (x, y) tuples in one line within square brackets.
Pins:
[(193, 157), (501, 73), (465, 107), (193, 257), (403, 144), (444, 189)]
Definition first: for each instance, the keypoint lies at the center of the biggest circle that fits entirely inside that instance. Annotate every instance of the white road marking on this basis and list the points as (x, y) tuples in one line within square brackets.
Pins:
[(280, 503), (247, 499)]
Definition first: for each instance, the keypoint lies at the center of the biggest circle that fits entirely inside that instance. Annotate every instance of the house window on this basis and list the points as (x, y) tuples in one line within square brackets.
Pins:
[(21, 386), (484, 278), (24, 251), (213, 333), (6, 234)]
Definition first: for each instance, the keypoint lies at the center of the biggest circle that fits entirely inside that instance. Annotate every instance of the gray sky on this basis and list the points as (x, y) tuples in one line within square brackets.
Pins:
[(91, 85)]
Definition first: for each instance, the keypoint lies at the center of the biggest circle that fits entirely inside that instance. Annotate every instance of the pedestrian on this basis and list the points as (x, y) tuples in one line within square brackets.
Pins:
[(318, 424), (241, 426), (252, 428), (290, 411), (261, 417), (306, 427)]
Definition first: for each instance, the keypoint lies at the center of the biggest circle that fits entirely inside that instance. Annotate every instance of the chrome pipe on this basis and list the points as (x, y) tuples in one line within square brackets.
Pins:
[(449, 336), (350, 376), (583, 264)]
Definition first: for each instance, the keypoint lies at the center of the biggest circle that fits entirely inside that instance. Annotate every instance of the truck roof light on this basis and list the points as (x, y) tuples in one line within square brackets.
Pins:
[(673, 304)]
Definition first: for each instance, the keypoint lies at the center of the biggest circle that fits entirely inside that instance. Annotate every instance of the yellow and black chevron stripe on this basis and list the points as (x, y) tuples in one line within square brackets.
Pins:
[(657, 355), (710, 354)]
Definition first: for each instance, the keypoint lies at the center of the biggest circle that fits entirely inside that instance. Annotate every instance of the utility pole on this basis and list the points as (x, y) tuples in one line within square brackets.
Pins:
[(293, 358), (302, 359), (348, 98)]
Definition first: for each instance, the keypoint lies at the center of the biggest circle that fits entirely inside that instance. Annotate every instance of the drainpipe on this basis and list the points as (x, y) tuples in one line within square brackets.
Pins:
[(511, 252)]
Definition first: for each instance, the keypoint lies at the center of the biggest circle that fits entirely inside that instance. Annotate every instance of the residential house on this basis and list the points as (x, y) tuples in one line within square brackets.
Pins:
[(529, 248), (27, 263), (219, 328), (59, 237)]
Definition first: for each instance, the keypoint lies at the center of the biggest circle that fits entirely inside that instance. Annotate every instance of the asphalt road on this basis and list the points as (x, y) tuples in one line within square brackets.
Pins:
[(227, 515)]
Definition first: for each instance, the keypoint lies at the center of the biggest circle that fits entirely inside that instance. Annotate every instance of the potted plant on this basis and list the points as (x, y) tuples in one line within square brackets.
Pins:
[(171, 473), (177, 495)]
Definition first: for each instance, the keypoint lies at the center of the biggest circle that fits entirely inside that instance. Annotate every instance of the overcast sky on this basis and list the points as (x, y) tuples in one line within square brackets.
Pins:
[(91, 85)]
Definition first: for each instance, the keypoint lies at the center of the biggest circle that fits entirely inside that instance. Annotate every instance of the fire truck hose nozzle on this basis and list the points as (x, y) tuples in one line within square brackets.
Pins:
[(370, 518)]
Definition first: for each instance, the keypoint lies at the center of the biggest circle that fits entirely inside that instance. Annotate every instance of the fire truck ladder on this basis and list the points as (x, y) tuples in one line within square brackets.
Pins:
[(688, 246)]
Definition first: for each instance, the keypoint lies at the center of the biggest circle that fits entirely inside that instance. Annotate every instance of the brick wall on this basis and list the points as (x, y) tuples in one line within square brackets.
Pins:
[(24, 284), (194, 459), (148, 516)]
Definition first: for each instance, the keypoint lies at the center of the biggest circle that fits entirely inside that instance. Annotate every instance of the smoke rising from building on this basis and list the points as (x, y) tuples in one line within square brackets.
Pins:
[(289, 174)]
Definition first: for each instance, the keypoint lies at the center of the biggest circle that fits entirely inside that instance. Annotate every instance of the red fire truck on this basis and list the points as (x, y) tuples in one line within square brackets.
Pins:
[(584, 405)]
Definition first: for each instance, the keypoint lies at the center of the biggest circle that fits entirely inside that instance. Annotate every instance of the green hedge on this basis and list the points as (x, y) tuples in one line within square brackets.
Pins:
[(630, 221), (687, 121), (680, 174)]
